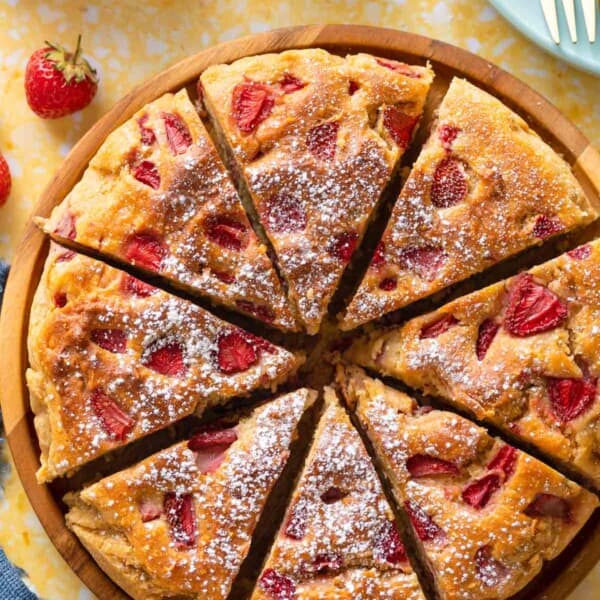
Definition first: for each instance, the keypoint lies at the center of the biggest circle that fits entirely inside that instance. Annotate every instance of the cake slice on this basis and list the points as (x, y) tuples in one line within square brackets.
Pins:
[(113, 359), (484, 187), (484, 515), (157, 196), (316, 137), (179, 523), (521, 354), (339, 538)]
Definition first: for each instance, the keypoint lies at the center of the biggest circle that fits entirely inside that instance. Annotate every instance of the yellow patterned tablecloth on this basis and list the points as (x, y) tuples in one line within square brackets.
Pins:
[(129, 41)]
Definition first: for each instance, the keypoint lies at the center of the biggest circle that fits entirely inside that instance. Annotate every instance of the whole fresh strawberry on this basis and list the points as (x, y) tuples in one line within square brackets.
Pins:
[(58, 82), (5, 180)]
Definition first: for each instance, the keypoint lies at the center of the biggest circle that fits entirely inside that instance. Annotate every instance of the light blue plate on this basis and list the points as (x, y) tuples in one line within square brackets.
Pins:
[(527, 17)]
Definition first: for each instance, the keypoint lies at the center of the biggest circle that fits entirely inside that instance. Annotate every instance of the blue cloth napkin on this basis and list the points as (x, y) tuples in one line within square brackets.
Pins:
[(11, 585)]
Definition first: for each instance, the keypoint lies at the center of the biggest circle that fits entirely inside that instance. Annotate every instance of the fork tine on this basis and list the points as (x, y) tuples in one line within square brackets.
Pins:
[(589, 16), (569, 6), (549, 10)]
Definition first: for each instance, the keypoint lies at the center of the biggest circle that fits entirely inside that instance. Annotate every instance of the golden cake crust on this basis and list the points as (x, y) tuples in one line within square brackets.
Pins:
[(540, 387), (318, 155), (484, 187), (486, 548), (142, 554), (342, 546), (180, 215), (108, 366)]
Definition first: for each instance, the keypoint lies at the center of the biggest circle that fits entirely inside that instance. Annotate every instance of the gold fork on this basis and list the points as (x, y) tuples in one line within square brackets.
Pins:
[(589, 17)]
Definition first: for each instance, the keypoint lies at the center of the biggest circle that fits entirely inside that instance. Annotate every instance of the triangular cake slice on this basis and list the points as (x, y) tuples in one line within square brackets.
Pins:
[(113, 359), (317, 137), (179, 523), (521, 354), (485, 516), (484, 187), (338, 538), (156, 195)]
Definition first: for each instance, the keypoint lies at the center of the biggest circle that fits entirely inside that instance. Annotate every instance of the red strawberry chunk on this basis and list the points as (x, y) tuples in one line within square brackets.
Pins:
[(235, 353), (150, 510), (425, 261), (479, 492), (209, 460), (147, 134), (251, 104), (322, 140), (276, 586), (423, 465), (179, 137), (505, 460), (378, 259), (289, 83), (400, 125), (66, 227), (284, 213), (135, 287), (447, 134), (166, 359), (581, 252), (425, 527), (296, 525), (227, 232), (389, 284), (546, 226), (489, 570), (449, 185), (113, 340), (179, 511), (391, 546), (223, 276), (332, 494), (60, 299), (264, 313), (352, 87), (114, 420), (437, 327), (401, 68), (327, 562), (570, 398), (147, 173), (485, 336), (549, 505), (343, 245), (145, 250), (532, 308), (211, 438)]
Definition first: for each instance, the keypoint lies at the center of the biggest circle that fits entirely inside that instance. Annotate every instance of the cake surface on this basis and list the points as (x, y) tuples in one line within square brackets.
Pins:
[(522, 354), (179, 524), (484, 187), (317, 138), (339, 537), (169, 206), (485, 515), (113, 359)]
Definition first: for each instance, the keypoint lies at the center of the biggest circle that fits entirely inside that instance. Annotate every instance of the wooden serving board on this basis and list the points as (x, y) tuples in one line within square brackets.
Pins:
[(562, 575)]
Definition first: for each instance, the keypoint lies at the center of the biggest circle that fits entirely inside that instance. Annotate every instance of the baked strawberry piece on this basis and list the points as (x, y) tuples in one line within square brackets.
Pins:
[(179, 523), (484, 187), (338, 538), (485, 516), (521, 354), (157, 196), (316, 138), (113, 359)]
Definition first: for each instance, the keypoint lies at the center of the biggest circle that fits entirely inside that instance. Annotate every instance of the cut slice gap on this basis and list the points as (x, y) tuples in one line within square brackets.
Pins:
[(254, 326), (274, 510)]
